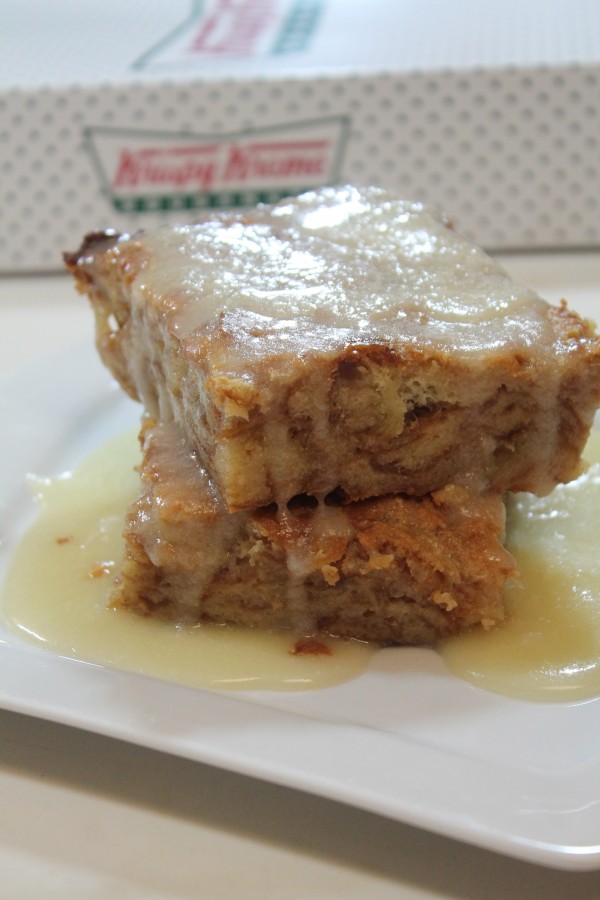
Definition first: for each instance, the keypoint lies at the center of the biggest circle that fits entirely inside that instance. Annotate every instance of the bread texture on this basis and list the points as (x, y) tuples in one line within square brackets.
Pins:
[(343, 341), (392, 570), (338, 391)]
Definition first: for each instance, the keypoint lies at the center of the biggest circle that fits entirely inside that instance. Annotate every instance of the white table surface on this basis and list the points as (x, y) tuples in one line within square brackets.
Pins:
[(84, 816)]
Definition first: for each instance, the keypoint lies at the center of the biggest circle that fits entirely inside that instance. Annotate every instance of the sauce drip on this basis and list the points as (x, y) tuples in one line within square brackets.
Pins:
[(60, 602), (547, 650), (549, 646)]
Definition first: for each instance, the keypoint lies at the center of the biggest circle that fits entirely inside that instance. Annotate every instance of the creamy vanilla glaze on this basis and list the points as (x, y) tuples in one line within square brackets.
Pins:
[(346, 258), (56, 591)]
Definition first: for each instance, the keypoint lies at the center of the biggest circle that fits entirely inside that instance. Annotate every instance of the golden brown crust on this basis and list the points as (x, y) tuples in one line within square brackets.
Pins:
[(104, 274)]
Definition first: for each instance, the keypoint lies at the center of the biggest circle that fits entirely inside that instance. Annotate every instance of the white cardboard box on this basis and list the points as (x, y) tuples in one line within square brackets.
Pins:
[(127, 114)]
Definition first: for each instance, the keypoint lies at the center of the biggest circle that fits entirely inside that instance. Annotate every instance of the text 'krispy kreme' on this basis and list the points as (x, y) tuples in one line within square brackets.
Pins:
[(206, 166)]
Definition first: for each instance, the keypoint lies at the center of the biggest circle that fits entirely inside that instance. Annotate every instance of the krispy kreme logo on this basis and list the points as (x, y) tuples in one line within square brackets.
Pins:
[(237, 28), (160, 172)]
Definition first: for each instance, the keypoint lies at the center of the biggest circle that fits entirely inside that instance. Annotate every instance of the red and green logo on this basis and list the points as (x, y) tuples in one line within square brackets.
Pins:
[(160, 172)]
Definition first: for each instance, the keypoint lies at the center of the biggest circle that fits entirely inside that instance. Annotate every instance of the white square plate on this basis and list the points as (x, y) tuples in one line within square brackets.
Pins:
[(406, 739)]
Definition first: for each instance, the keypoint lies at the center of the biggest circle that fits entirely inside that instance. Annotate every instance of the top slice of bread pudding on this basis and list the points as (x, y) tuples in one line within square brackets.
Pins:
[(343, 340)]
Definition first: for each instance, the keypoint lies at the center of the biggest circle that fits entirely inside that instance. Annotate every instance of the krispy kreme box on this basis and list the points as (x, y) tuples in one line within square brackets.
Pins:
[(126, 115)]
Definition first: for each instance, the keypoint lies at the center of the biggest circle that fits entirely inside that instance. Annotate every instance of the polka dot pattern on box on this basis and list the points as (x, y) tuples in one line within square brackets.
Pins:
[(512, 155)]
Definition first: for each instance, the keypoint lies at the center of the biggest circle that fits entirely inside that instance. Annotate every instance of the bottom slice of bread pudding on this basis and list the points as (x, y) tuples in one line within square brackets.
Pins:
[(393, 570)]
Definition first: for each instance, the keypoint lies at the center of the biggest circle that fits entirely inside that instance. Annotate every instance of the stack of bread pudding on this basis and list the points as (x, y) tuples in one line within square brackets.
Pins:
[(338, 390)]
